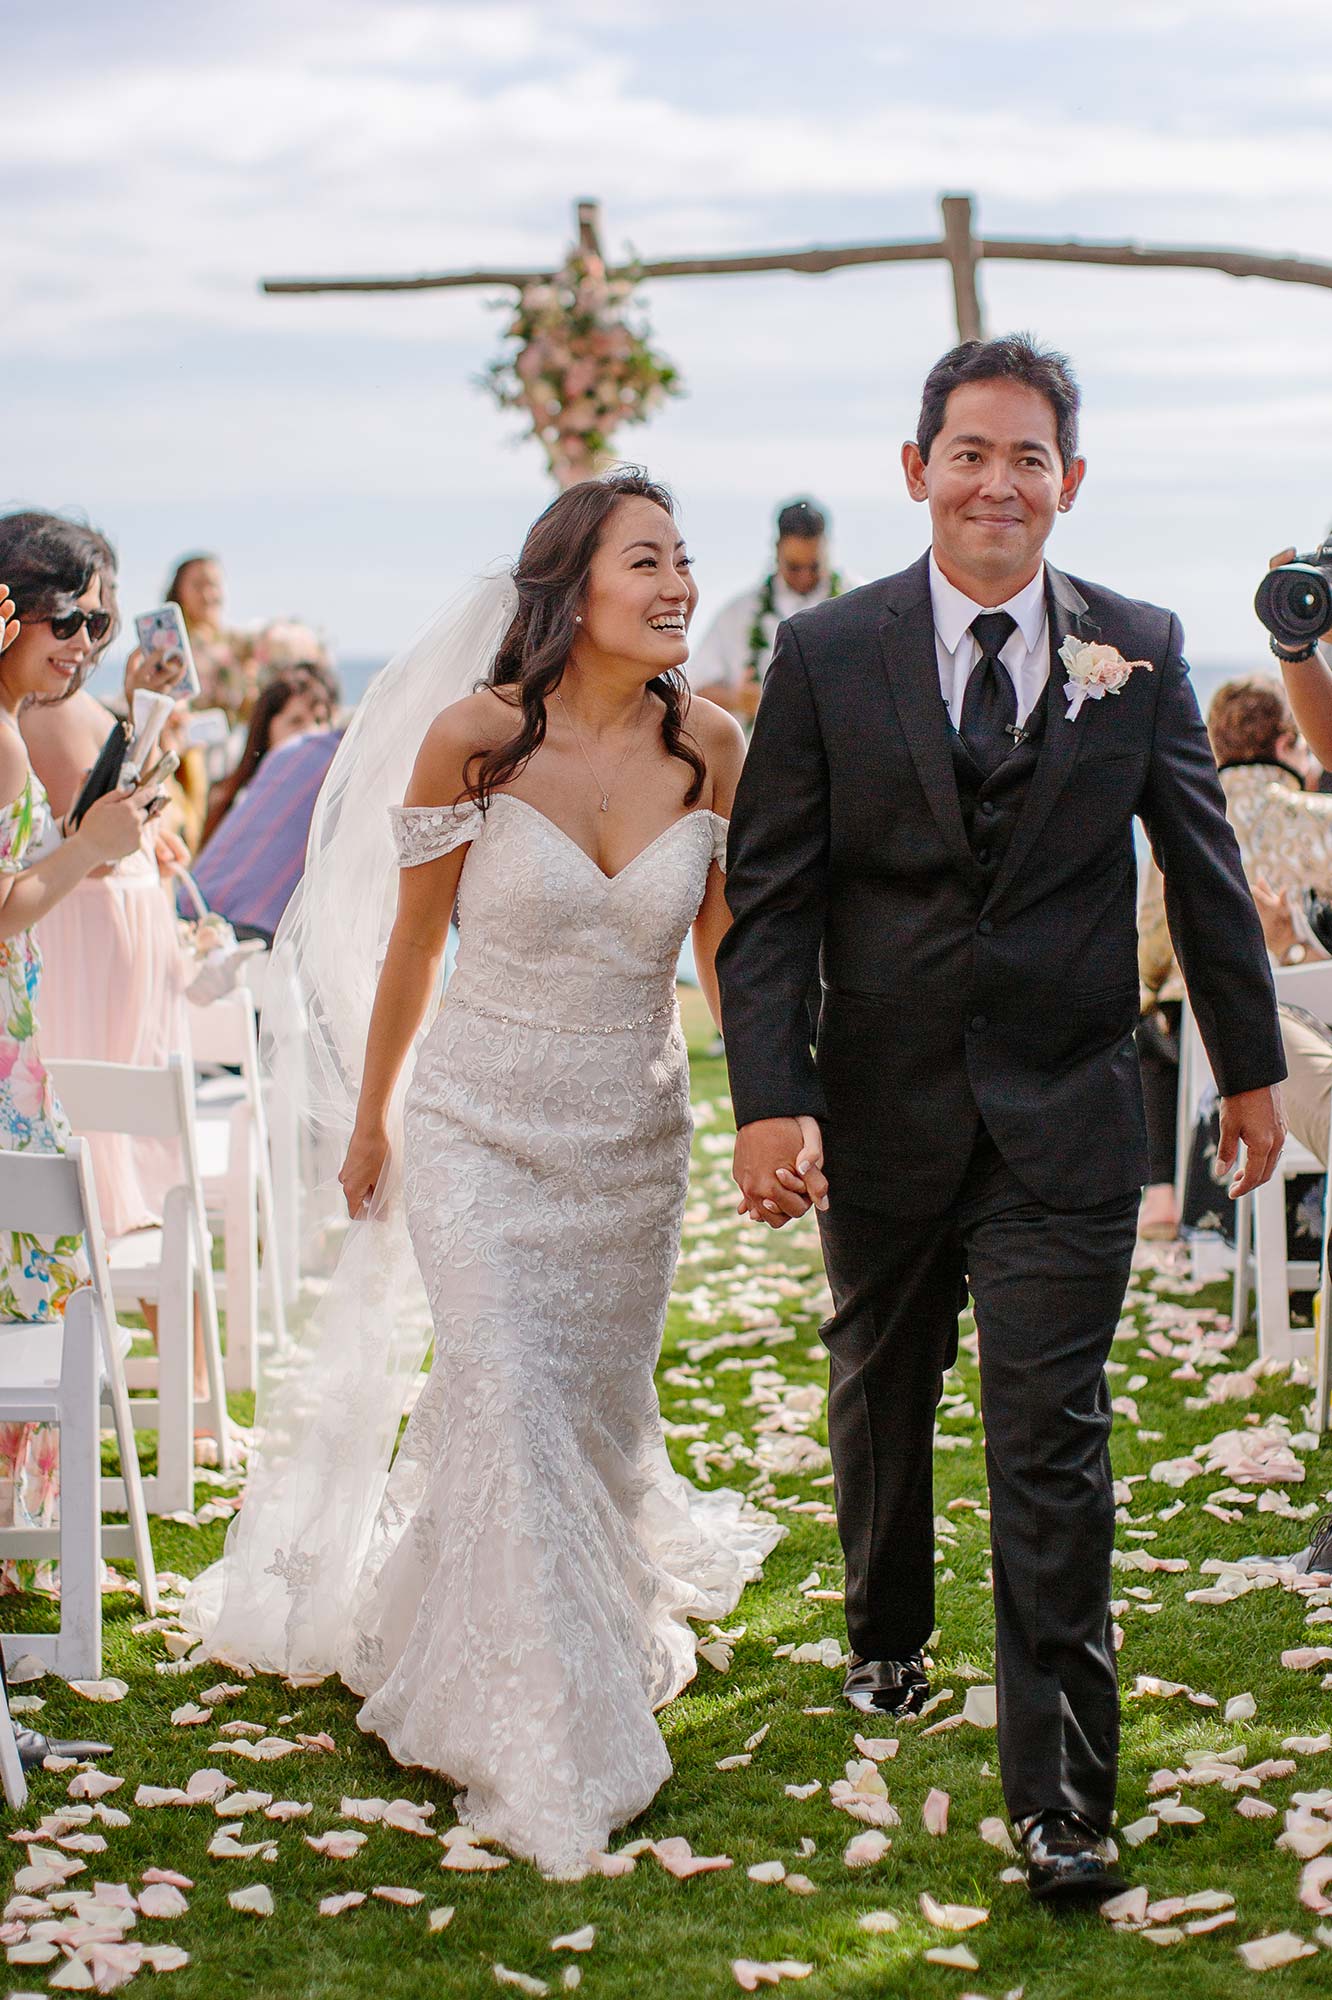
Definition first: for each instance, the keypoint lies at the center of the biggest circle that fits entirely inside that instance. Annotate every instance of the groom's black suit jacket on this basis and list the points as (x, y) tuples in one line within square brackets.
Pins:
[(956, 990)]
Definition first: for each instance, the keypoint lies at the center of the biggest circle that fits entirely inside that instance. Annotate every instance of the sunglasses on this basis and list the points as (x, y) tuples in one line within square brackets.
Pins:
[(67, 623)]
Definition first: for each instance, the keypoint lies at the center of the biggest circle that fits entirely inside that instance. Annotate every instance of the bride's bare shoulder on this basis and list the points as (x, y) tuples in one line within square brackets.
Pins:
[(465, 729)]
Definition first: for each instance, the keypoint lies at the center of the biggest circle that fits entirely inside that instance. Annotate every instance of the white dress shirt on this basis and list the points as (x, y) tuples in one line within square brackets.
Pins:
[(1025, 653), (723, 652)]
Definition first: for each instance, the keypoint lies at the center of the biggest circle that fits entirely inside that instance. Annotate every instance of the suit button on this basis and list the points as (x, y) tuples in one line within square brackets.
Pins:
[(985, 927), (978, 1021), (983, 856), (987, 808)]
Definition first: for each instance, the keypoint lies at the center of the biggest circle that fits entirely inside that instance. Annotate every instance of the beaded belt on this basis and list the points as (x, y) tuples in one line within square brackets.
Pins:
[(560, 1027)]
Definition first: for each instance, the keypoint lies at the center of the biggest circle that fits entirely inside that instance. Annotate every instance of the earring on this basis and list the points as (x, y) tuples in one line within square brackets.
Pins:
[(578, 618)]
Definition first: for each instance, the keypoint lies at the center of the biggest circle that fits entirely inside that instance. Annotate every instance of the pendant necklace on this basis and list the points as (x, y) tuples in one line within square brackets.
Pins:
[(605, 790)]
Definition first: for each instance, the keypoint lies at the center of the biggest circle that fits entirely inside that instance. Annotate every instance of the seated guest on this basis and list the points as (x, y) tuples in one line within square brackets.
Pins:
[(253, 862), (295, 703), (225, 659), (1284, 832)]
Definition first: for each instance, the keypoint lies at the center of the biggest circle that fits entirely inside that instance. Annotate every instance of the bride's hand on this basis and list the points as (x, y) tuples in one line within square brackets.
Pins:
[(363, 1168), (807, 1177)]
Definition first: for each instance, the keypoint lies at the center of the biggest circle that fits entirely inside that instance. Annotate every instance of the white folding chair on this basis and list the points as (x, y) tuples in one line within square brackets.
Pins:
[(1310, 987), (11, 1764), (277, 997), (232, 1133), (61, 1371), (1195, 1080), (170, 1266)]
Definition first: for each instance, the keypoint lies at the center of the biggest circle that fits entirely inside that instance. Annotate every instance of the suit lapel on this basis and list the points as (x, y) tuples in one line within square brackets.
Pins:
[(911, 664), (1061, 740)]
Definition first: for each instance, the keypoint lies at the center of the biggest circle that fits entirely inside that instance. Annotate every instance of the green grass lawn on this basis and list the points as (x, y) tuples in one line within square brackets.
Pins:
[(659, 1936)]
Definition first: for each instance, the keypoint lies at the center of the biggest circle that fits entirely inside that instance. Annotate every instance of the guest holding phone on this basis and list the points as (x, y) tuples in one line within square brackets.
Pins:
[(57, 615), (121, 920)]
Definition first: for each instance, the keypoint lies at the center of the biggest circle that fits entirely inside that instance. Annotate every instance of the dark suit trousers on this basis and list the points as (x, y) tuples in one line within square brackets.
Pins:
[(1048, 1287)]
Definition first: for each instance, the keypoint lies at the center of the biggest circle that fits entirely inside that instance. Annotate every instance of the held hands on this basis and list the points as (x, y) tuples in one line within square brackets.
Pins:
[(1255, 1118), (779, 1169), (363, 1169), (1279, 931)]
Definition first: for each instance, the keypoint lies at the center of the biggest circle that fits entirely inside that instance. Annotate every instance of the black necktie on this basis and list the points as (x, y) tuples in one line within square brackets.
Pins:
[(989, 706)]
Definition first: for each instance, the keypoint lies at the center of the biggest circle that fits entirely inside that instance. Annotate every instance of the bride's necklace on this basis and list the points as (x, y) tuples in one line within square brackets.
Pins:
[(605, 790)]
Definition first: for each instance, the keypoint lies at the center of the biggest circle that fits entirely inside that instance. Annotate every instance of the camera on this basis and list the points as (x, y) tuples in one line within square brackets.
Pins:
[(1294, 602)]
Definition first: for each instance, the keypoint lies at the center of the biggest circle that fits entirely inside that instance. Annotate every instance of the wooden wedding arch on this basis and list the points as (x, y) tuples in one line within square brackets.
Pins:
[(958, 246)]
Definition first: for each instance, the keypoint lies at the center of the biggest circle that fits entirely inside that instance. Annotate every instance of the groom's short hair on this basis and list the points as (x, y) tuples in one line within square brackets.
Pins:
[(1014, 357)]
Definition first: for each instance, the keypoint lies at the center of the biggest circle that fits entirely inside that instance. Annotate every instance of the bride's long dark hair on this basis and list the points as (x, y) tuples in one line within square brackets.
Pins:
[(551, 576)]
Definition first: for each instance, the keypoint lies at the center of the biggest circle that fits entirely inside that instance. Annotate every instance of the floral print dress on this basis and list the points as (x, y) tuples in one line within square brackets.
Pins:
[(36, 1276)]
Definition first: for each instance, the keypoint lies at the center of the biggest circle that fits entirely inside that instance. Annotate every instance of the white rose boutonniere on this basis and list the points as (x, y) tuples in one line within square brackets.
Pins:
[(1094, 671)]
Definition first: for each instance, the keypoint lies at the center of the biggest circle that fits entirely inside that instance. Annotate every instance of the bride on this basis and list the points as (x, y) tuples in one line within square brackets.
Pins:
[(512, 1597)]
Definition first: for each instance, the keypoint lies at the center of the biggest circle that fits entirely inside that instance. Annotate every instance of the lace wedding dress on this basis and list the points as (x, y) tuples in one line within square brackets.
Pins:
[(523, 1606)]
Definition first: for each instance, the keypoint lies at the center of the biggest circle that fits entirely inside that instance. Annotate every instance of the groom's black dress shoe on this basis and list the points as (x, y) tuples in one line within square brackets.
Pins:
[(1067, 1859), (887, 1687)]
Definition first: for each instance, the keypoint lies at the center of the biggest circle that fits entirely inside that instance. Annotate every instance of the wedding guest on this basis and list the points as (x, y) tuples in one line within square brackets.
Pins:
[(1298, 930), (255, 859), (1284, 831), (120, 920), (225, 659), (729, 663), (57, 616), (297, 702)]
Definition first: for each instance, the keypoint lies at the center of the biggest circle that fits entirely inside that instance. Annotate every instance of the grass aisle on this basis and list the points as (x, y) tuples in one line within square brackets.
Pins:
[(741, 1384)]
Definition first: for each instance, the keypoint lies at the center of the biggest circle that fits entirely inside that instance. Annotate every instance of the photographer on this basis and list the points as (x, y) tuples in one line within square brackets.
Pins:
[(1306, 668)]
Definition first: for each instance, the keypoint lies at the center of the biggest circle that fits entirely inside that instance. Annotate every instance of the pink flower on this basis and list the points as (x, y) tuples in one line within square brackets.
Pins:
[(29, 1086), (14, 1446), (9, 1055)]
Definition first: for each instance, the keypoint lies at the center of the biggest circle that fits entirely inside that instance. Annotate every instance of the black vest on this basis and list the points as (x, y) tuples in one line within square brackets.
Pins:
[(991, 805)]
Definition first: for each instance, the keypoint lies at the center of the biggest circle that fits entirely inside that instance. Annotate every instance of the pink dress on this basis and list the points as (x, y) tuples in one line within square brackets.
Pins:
[(113, 990)]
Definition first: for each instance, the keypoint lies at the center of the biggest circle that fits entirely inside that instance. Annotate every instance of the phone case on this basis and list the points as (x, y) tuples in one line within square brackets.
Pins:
[(163, 631), (104, 775)]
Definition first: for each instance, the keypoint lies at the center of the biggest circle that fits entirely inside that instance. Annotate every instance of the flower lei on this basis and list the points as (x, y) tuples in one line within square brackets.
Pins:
[(766, 608), (579, 366)]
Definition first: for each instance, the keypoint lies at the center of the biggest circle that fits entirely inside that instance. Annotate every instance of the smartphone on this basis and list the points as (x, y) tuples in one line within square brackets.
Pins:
[(163, 631), (104, 776)]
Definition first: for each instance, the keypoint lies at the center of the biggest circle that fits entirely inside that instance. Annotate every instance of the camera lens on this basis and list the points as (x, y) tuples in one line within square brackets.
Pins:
[(1295, 602)]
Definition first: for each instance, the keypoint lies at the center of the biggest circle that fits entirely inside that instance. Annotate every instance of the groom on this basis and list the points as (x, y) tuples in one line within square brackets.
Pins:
[(930, 814)]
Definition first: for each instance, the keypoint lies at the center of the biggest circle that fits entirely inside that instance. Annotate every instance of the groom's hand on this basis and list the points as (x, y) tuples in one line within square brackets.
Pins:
[(771, 1190), (1254, 1117)]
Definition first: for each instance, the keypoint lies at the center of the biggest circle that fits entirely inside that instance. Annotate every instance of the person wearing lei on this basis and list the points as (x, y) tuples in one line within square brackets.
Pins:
[(729, 664)]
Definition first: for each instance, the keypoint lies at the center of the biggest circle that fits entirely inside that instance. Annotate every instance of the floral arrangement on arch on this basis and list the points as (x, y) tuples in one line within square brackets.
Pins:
[(580, 366)]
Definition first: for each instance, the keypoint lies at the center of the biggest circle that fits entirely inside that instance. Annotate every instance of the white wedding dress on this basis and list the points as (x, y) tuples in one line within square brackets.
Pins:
[(522, 1606)]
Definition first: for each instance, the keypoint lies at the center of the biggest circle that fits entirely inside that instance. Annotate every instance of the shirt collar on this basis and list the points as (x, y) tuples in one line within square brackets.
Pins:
[(953, 611)]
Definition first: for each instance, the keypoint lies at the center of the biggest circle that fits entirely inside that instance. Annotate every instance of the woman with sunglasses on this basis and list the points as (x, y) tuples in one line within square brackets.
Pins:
[(57, 615)]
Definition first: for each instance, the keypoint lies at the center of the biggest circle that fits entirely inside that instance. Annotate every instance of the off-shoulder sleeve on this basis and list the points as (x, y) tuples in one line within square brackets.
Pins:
[(424, 833), (720, 829)]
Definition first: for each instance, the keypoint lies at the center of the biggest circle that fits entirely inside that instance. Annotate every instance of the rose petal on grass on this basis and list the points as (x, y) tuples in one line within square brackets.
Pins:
[(1265, 1954), (524, 1981), (167, 1875), (256, 1901), (240, 1803), (736, 1763), (995, 1834), (1141, 1829), (1129, 1907), (800, 1885), (980, 1708), (877, 1921), (468, 1860), (114, 1690), (751, 1973), (582, 1940), (1218, 1920), (333, 1906), (93, 1785), (804, 1791), (338, 1845), (677, 1857), (1163, 1934), (189, 1715), (767, 1872), (879, 1749), (934, 1813), (1314, 1879), (955, 1955), (951, 1916), (283, 1809), (1301, 1659), (408, 1898), (440, 1919), (866, 1848), (74, 1976), (161, 1899), (1241, 1708)]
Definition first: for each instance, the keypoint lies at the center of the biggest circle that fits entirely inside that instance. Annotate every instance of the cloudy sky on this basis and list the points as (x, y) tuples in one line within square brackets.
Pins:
[(159, 159)]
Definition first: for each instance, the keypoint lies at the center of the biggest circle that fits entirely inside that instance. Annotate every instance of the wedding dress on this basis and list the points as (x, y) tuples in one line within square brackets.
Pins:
[(521, 1605)]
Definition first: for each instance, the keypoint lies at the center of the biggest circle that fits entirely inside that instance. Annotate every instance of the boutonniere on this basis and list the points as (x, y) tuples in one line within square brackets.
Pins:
[(1094, 671)]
